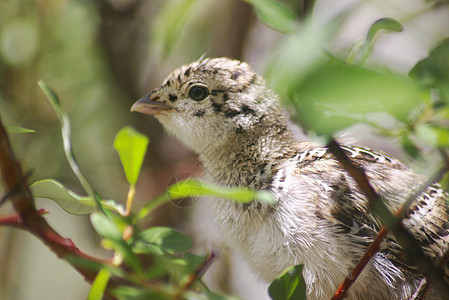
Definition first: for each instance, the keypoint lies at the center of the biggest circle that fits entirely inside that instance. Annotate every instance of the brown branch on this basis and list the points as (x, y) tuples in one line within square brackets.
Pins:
[(391, 222), (15, 220), (30, 219)]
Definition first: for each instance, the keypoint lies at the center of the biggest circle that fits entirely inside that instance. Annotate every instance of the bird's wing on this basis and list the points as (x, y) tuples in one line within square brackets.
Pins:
[(427, 218)]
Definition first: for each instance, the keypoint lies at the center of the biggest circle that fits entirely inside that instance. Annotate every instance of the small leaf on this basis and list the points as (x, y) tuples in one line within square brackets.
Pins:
[(289, 286), (383, 24), (17, 129), (99, 285), (51, 96), (110, 231), (131, 147), (105, 227), (274, 14), (162, 240), (70, 201), (387, 24), (194, 188)]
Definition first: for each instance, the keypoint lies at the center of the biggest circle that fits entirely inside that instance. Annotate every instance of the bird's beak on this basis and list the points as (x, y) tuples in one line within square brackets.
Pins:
[(147, 106)]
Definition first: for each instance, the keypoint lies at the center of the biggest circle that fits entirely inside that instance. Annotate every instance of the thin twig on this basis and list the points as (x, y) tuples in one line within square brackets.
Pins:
[(201, 270), (391, 222), (15, 220)]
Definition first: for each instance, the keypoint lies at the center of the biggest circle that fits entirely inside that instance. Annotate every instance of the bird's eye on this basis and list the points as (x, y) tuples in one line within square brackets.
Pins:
[(198, 92)]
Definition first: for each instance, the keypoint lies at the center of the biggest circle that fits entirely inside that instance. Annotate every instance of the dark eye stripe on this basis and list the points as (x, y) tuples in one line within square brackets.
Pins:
[(172, 97)]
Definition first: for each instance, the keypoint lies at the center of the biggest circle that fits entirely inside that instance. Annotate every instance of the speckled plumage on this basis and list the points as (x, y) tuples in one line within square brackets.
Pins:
[(321, 219)]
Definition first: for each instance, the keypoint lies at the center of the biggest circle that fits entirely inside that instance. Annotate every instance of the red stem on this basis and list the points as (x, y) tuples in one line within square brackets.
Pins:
[(15, 219), (28, 218)]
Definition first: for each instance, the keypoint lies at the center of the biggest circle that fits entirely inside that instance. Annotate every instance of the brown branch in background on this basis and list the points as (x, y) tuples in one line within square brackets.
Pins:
[(28, 217), (15, 220), (391, 222)]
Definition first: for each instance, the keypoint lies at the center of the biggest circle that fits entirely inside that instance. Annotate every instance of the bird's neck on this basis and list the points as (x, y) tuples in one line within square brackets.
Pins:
[(248, 158)]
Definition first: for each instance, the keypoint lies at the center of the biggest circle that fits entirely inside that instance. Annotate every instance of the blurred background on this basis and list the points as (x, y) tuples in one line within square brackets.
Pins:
[(101, 56)]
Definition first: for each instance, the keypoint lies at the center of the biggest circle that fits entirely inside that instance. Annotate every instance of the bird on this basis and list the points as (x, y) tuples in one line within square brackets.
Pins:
[(225, 112)]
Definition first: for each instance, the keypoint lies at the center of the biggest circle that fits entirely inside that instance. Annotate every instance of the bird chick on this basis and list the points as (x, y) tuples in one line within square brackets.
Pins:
[(222, 110)]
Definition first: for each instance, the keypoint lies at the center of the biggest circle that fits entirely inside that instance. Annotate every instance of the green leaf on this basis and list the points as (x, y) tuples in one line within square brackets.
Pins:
[(433, 71), (274, 14), (289, 286), (66, 138), (336, 96), (99, 285), (112, 234), (105, 227), (195, 188), (70, 201), (17, 129), (385, 24), (131, 147), (155, 271), (181, 266), (160, 240)]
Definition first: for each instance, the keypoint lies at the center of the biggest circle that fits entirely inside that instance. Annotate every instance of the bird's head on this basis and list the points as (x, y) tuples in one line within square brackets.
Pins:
[(211, 101)]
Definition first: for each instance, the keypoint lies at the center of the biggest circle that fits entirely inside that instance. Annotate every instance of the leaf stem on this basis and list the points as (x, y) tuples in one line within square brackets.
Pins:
[(130, 198)]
